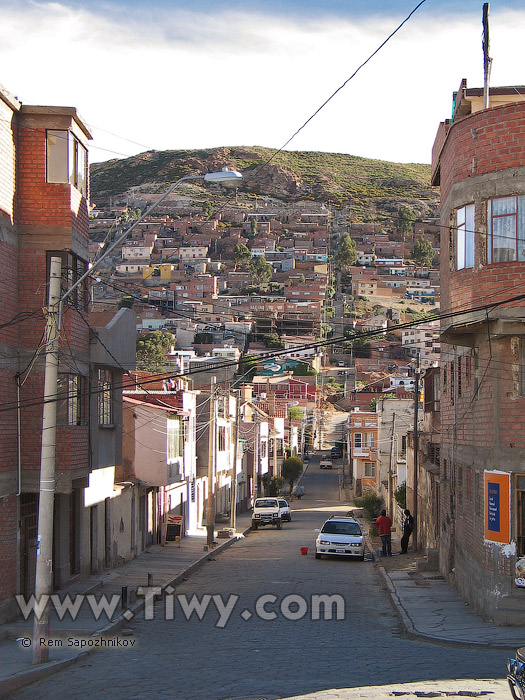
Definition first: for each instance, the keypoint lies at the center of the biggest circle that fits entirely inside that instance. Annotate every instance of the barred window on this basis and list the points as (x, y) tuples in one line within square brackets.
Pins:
[(222, 438), (69, 399), (105, 397)]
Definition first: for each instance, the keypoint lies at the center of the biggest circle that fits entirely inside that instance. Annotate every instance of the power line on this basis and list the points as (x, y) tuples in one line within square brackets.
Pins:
[(278, 353)]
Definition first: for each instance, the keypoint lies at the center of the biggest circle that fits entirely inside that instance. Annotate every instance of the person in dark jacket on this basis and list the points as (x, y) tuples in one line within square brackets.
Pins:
[(384, 528), (408, 529)]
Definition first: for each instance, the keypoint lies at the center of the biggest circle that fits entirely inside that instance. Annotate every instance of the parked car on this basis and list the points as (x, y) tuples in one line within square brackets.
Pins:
[(266, 511), (335, 453), (286, 513), (340, 536)]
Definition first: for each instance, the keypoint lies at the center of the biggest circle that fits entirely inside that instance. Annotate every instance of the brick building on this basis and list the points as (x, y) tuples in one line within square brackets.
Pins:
[(479, 162), (43, 214)]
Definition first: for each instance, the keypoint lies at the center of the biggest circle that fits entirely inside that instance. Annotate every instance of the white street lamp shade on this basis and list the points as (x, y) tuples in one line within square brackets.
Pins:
[(228, 178)]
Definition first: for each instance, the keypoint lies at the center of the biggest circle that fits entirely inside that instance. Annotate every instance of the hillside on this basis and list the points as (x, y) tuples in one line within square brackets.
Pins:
[(370, 188)]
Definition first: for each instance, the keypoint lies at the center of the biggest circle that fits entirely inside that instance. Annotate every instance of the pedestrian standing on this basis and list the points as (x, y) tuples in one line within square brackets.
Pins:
[(384, 527), (408, 529)]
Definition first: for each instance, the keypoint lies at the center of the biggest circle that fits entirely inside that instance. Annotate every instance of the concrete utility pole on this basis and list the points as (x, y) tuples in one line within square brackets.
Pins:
[(417, 372), (391, 468), (487, 61), (233, 507), (210, 508), (44, 551)]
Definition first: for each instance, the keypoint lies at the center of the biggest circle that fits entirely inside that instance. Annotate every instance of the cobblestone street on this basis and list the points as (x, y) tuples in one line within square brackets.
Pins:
[(252, 647)]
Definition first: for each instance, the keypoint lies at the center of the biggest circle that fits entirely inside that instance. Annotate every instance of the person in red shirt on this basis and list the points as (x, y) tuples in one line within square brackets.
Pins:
[(384, 527)]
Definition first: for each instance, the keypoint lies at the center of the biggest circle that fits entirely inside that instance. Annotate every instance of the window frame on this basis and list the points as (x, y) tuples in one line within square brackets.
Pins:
[(69, 399), (174, 438), (369, 467), (517, 217), (66, 160), (105, 397), (73, 268), (465, 236)]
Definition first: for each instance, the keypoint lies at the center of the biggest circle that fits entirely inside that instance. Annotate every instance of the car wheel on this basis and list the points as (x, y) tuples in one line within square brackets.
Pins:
[(317, 555), (254, 526), (361, 558), (279, 524)]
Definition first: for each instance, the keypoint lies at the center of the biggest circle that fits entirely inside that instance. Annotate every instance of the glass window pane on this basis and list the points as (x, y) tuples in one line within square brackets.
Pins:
[(503, 205), (72, 159), (504, 239), (460, 246), (81, 169), (469, 235), (521, 228), (56, 156)]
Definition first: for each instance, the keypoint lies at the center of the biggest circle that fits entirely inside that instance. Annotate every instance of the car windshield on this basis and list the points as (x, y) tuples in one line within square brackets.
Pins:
[(283, 504), (266, 503), (334, 528)]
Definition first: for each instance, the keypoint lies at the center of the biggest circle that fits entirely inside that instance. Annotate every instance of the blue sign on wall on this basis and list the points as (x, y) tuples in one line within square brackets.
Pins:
[(493, 523)]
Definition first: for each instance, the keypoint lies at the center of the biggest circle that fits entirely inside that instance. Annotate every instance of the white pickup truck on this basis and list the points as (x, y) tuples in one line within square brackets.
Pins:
[(266, 511)]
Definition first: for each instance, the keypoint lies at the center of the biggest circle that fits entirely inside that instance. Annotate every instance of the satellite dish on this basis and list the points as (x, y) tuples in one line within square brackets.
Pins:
[(293, 403)]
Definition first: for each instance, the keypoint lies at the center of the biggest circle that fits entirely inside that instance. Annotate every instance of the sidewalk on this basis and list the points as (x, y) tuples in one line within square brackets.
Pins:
[(429, 608), (158, 566)]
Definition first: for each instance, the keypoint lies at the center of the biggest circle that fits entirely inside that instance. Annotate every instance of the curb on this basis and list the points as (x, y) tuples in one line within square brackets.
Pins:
[(413, 633), (27, 677)]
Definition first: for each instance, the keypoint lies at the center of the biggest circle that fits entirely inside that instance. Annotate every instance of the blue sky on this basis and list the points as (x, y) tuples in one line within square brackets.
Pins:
[(168, 74)]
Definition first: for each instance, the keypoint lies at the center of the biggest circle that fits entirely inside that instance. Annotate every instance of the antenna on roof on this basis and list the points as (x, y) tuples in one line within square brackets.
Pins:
[(487, 61)]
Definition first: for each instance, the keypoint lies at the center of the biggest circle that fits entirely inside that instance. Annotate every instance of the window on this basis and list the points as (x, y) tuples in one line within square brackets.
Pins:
[(465, 237), (222, 438), (520, 481), (370, 469), (66, 159), (73, 268), (174, 438), (69, 399), (506, 229), (104, 397), (522, 367), (358, 440)]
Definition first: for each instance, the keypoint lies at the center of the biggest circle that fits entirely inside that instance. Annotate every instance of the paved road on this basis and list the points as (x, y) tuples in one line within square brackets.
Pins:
[(251, 657)]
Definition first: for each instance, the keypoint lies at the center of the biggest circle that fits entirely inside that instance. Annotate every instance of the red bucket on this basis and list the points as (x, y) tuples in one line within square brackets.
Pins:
[(304, 550)]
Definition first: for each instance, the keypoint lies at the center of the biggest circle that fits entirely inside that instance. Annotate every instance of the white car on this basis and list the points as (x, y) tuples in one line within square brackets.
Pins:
[(286, 513), (340, 536), (266, 511)]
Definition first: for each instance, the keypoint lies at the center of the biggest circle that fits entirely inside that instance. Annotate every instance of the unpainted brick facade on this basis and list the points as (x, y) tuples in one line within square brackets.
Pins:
[(480, 158), (36, 218)]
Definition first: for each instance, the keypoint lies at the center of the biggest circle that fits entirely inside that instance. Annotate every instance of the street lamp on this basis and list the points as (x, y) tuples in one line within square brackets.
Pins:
[(44, 571)]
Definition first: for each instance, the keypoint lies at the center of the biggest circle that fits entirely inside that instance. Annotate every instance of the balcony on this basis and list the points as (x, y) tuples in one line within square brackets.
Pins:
[(364, 452)]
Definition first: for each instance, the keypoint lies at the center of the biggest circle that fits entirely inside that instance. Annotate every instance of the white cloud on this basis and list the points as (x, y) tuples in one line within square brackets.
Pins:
[(181, 80)]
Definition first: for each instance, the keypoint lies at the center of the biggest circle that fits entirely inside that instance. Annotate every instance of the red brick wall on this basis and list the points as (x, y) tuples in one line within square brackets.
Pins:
[(498, 142), (8, 530)]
